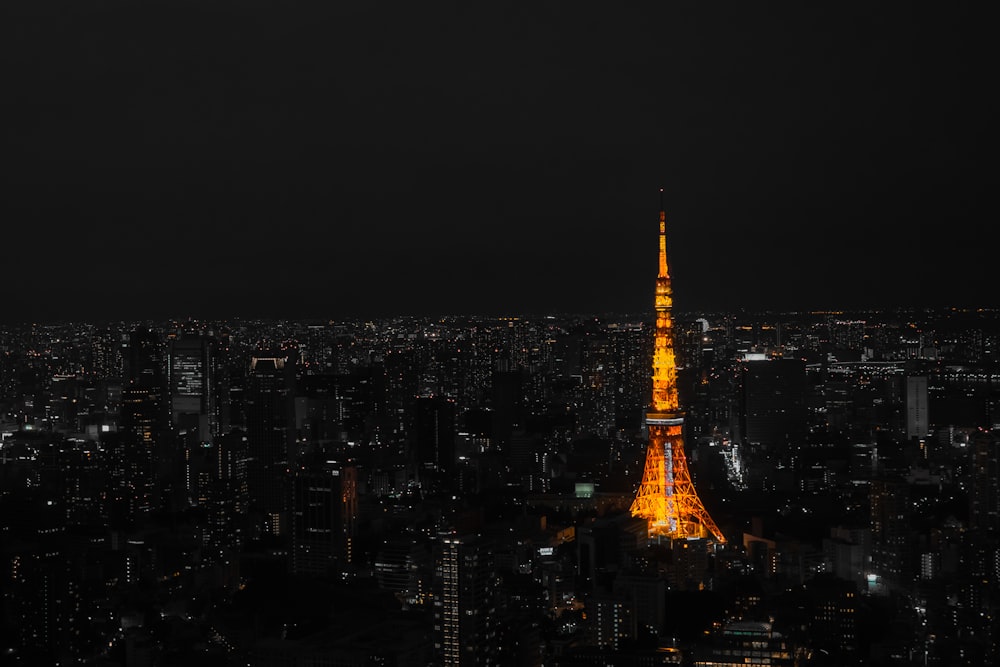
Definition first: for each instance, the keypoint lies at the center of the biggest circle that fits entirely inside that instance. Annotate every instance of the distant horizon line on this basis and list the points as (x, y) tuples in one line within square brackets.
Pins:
[(533, 315)]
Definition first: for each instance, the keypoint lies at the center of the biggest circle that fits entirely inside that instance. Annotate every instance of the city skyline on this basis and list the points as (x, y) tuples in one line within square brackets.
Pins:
[(331, 162), (195, 483)]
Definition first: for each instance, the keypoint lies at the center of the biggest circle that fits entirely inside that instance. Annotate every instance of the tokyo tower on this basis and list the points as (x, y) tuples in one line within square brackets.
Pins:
[(666, 497)]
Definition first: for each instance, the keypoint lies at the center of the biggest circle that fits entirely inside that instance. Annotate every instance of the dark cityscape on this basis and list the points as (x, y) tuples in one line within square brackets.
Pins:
[(340, 334), (294, 493)]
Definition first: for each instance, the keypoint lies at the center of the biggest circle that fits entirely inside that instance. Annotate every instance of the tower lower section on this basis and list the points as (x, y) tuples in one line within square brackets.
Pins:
[(666, 497)]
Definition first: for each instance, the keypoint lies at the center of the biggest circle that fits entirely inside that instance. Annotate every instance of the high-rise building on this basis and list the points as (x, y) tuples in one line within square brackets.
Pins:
[(194, 377), (433, 433), (227, 503), (773, 402), (324, 512), (507, 404), (48, 605), (614, 619), (984, 491), (917, 424), (833, 627), (465, 607), (269, 409), (143, 420), (891, 533), (666, 497), (630, 350)]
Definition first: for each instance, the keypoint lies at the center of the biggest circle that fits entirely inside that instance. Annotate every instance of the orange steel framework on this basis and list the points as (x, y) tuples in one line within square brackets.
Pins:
[(666, 497)]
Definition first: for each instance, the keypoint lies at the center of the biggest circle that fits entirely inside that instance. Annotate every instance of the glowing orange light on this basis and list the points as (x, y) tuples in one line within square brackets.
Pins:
[(666, 497)]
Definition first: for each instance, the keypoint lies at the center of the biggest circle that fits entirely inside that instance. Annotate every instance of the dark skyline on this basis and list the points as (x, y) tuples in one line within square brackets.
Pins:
[(307, 159)]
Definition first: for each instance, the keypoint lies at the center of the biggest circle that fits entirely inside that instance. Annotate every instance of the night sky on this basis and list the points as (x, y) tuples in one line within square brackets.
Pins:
[(326, 159)]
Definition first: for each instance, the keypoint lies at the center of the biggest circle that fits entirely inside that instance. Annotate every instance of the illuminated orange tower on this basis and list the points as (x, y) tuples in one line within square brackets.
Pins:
[(667, 497)]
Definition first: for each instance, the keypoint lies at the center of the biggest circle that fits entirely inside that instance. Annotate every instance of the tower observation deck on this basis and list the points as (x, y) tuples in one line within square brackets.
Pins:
[(666, 497)]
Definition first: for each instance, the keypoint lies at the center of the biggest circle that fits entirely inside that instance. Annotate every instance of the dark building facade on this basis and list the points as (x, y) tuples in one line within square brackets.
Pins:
[(433, 433), (270, 433), (324, 513), (773, 402), (145, 434)]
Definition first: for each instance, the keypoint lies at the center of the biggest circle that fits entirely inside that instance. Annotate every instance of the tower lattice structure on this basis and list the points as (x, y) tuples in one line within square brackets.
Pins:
[(666, 497)]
